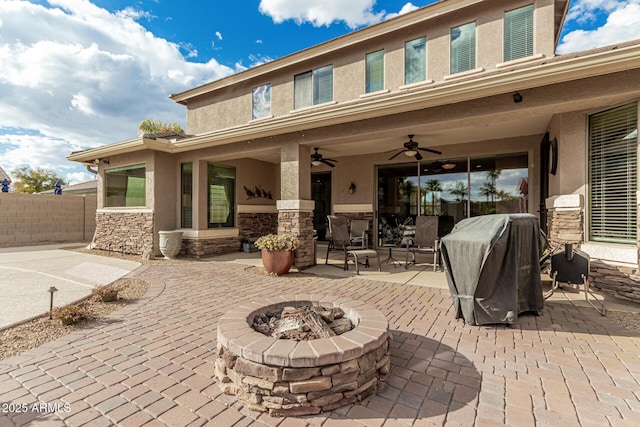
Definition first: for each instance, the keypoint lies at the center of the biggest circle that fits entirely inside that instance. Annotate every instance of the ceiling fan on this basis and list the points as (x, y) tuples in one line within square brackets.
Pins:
[(411, 149), (317, 160)]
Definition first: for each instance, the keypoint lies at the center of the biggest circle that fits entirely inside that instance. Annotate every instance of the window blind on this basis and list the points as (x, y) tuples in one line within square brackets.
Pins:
[(613, 139), (375, 71), (463, 48), (323, 85), (302, 91), (415, 60), (518, 33)]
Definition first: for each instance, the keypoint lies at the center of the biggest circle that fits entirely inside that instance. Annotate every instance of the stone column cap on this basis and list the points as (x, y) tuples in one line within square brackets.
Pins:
[(296, 205)]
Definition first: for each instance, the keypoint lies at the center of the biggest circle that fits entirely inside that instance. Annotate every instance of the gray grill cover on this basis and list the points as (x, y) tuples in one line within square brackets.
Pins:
[(492, 267)]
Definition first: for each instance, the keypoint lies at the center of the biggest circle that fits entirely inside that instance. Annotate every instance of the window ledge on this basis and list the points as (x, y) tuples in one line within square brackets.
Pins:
[(261, 119), (376, 93), (218, 233), (313, 107), (464, 74), (415, 85), (619, 254), (520, 61), (110, 210)]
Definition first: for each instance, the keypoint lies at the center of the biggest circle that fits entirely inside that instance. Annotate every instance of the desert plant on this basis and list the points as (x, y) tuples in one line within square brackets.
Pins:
[(70, 314), (274, 242), (107, 293)]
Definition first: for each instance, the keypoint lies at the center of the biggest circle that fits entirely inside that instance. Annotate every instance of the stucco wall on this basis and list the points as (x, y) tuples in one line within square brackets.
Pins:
[(29, 219), (229, 107)]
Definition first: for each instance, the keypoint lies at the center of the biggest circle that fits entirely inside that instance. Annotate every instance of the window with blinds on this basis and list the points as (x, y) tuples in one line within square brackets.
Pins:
[(313, 87), (613, 139), (186, 200), (463, 48), (518, 33), (374, 63), (415, 61)]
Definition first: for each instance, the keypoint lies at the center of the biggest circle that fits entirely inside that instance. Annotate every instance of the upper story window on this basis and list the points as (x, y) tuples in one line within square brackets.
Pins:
[(518, 33), (261, 102), (463, 48), (415, 61), (375, 71), (126, 186), (313, 87), (613, 152)]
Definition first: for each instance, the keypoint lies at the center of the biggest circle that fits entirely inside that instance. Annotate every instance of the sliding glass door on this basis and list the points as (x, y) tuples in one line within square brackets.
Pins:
[(452, 190)]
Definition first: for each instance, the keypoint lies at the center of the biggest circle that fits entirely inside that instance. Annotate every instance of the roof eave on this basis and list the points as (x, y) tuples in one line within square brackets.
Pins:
[(557, 70), (130, 146)]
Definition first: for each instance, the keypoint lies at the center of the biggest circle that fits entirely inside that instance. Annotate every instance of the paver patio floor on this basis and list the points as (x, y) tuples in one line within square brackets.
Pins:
[(152, 363)]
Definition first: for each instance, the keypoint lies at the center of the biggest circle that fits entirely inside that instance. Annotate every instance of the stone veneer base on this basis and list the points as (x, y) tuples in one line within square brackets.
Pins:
[(293, 378)]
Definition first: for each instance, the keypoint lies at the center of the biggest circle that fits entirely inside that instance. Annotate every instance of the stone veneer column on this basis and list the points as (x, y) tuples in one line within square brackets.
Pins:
[(565, 219), (295, 217)]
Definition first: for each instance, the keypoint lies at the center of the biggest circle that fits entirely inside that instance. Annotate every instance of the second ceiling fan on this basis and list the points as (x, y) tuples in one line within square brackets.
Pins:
[(411, 149), (317, 159)]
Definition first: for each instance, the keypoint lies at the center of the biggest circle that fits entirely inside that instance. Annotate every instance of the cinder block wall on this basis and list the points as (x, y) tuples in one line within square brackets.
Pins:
[(29, 219)]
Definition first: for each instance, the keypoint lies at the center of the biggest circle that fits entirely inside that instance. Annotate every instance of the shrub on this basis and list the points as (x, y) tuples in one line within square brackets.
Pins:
[(274, 242), (69, 314)]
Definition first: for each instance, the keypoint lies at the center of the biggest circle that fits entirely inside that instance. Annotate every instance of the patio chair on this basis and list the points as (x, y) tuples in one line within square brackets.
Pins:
[(359, 233), (341, 241), (425, 240)]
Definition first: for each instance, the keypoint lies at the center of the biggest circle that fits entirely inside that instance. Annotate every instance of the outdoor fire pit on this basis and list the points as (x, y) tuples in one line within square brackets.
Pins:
[(287, 377)]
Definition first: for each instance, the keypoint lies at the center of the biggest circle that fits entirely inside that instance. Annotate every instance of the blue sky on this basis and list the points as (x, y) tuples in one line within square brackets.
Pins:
[(76, 74)]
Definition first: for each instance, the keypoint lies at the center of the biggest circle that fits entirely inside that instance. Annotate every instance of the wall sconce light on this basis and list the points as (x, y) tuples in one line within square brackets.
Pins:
[(352, 188), (517, 97)]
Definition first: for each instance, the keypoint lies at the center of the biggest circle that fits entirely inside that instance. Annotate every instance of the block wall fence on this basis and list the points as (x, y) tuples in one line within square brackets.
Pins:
[(30, 219)]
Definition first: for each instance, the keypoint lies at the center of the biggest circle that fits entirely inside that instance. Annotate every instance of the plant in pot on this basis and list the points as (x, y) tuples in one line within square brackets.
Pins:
[(107, 293), (277, 252)]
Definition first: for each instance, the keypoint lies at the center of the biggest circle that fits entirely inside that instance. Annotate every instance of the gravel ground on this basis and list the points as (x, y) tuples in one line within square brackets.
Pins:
[(36, 332), (32, 334)]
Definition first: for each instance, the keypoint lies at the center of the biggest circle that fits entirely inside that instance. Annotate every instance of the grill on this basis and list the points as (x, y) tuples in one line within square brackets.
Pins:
[(571, 266)]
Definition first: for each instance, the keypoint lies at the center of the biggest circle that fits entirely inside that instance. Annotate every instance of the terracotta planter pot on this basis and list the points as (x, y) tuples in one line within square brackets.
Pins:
[(277, 262)]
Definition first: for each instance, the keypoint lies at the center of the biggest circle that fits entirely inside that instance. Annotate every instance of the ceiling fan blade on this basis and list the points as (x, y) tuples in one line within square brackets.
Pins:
[(418, 156), (430, 150), (392, 157), (328, 163), (331, 160)]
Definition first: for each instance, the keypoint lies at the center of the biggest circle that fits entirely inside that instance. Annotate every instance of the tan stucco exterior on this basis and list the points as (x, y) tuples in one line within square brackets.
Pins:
[(466, 115)]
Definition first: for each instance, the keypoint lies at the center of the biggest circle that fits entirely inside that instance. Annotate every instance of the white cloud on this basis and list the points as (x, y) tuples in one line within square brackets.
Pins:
[(77, 76), (622, 24), (409, 7), (354, 13), (219, 35)]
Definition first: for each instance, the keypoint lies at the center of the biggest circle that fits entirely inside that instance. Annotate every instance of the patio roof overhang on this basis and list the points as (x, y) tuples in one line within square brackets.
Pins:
[(508, 79)]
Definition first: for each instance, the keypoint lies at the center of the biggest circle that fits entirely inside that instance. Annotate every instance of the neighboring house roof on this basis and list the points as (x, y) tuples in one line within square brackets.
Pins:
[(89, 187), (4, 175)]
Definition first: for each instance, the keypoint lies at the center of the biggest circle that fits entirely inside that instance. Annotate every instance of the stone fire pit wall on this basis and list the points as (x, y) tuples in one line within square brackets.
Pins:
[(290, 378)]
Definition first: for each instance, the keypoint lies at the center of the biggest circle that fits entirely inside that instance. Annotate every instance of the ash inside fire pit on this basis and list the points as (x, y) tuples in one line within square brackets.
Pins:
[(302, 323)]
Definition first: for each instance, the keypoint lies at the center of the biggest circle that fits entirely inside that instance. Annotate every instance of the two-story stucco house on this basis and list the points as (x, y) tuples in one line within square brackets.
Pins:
[(512, 127)]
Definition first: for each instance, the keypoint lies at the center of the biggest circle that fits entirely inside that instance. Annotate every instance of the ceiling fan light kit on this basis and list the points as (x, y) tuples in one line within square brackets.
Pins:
[(411, 149), (317, 159)]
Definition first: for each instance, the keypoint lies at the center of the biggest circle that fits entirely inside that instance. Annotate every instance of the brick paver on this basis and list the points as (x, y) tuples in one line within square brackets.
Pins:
[(155, 362)]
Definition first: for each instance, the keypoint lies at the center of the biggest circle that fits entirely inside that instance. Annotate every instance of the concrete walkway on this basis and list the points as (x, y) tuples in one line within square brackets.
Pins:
[(152, 362), (27, 273)]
